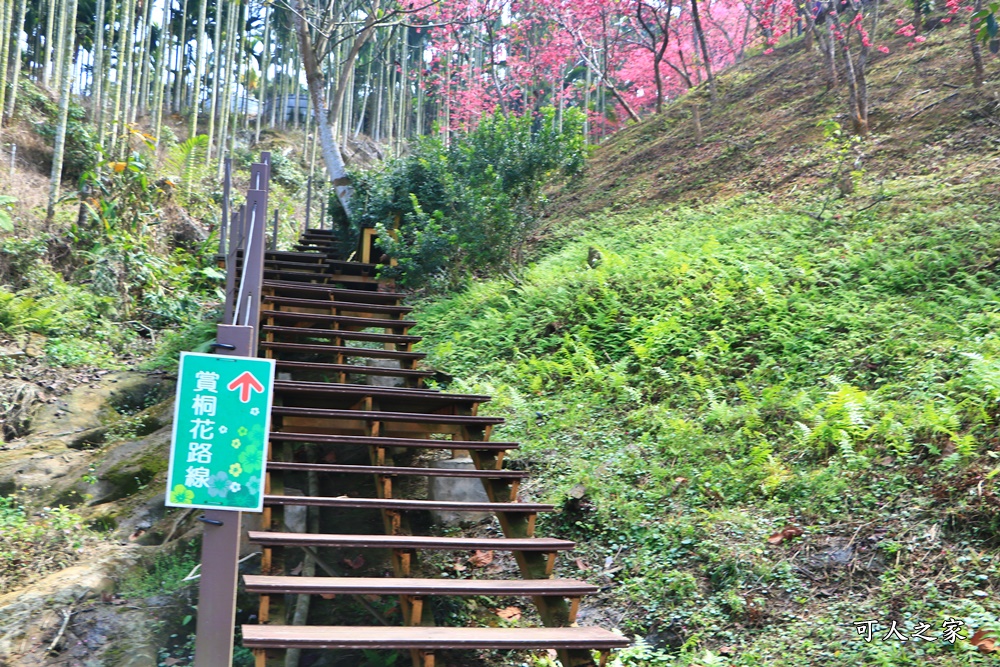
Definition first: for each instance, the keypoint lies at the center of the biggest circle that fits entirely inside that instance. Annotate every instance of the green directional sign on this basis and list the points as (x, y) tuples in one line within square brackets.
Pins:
[(221, 423)]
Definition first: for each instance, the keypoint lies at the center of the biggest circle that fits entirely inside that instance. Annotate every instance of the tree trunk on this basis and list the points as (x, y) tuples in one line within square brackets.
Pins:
[(216, 53), (227, 94), (60, 51), (978, 74), (129, 26), (50, 48), (856, 102), (827, 46), (60, 143), (331, 151), (704, 49), (16, 75), (696, 117), (199, 67), (6, 18), (97, 90), (181, 51), (262, 97), (147, 60), (161, 76)]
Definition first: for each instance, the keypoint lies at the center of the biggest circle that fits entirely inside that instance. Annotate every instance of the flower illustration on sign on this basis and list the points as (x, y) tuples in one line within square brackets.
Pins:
[(235, 487), (236, 443), (255, 411), (223, 430), (182, 494), (218, 485), (242, 430), (236, 470)]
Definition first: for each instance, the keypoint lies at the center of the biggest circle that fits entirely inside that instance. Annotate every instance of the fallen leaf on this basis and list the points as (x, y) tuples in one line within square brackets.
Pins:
[(169, 662), (296, 571), (786, 533), (578, 491), (481, 558), (982, 642), (582, 564), (509, 613), (458, 567), (727, 650), (328, 596), (356, 563)]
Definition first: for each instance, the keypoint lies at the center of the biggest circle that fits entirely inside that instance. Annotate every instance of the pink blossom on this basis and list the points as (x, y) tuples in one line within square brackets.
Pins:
[(919, 38), (947, 19), (884, 49), (768, 52)]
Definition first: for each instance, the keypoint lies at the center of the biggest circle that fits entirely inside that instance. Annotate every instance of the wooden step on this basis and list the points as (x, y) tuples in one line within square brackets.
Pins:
[(427, 638), (409, 542), (328, 304), (367, 322), (293, 276), (399, 504), (357, 369), (379, 441), (346, 334), (269, 585), (340, 293), (362, 390), (380, 416), (341, 264), (393, 471), (369, 352)]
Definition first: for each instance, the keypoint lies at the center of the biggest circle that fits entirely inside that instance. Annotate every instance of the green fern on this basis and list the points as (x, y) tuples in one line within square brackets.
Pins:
[(186, 162)]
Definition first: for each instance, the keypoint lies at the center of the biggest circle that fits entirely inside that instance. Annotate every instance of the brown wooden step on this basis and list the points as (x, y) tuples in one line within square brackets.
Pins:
[(369, 352), (339, 293), (400, 504), (357, 369), (427, 638), (361, 390), (346, 334), (293, 276), (393, 471), (367, 322), (379, 416), (379, 441), (270, 585), (410, 542), (352, 306)]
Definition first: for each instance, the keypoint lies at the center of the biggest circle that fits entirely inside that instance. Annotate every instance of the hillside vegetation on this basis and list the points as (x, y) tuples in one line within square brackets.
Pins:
[(761, 376)]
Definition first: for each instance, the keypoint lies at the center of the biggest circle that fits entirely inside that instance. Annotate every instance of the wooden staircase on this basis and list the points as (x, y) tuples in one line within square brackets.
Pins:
[(338, 333)]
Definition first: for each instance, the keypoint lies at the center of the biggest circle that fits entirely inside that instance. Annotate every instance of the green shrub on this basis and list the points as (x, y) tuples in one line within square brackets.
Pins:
[(32, 545), (472, 205)]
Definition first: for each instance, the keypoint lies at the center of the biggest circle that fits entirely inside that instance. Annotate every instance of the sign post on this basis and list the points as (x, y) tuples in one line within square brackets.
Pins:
[(217, 461)]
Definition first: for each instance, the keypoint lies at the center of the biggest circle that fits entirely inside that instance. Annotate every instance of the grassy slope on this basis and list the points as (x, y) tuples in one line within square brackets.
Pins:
[(739, 363)]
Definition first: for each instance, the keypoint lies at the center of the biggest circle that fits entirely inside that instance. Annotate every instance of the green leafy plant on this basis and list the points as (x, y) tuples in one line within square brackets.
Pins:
[(6, 223)]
